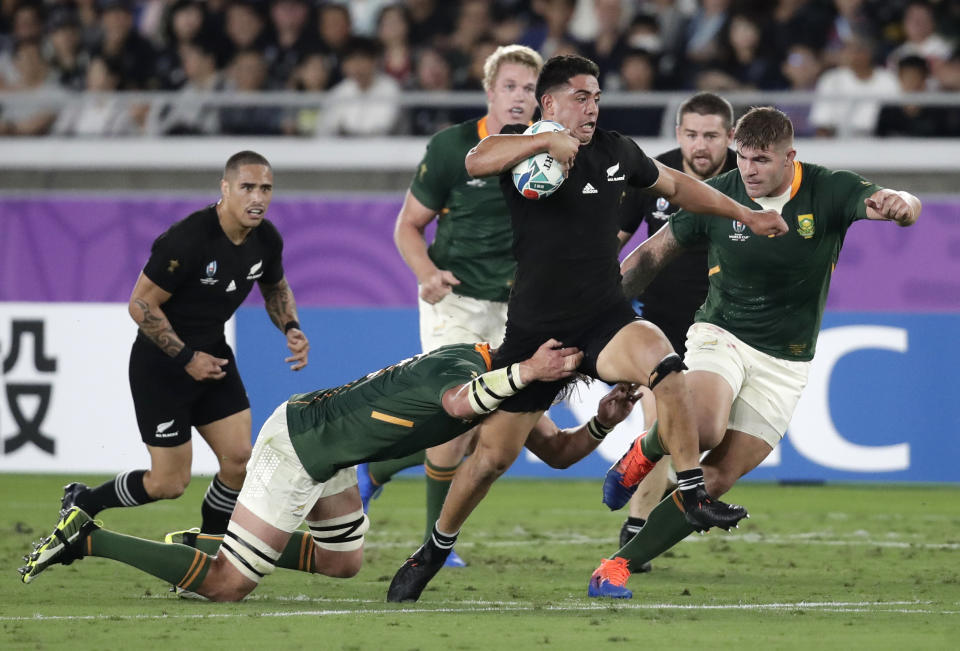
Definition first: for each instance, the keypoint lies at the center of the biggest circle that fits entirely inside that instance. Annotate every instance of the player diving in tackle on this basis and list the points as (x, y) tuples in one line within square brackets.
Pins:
[(302, 468), (750, 347)]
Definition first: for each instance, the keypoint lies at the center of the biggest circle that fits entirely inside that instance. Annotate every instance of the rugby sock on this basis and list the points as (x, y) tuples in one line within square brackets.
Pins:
[(688, 481), (297, 555), (217, 507), (126, 489), (634, 525), (180, 565), (665, 527), (438, 485), (443, 540), (383, 471), (650, 444)]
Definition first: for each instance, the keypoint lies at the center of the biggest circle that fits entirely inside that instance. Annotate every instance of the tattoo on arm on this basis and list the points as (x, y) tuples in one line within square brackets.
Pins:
[(154, 324), (278, 300), (650, 258)]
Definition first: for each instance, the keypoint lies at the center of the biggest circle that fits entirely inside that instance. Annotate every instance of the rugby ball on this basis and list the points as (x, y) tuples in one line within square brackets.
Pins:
[(540, 175)]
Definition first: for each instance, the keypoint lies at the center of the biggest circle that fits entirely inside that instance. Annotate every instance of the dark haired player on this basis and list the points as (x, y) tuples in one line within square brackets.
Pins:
[(567, 286), (302, 469), (182, 371), (704, 132), (749, 350)]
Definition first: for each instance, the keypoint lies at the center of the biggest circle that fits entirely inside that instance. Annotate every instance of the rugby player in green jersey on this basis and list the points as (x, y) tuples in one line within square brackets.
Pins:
[(302, 469), (464, 276), (750, 347)]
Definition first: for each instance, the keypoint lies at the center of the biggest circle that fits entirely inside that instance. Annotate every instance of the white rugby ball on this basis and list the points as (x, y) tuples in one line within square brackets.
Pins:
[(540, 175)]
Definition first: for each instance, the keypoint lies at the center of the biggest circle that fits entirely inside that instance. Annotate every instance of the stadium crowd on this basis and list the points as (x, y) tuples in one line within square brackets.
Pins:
[(365, 53)]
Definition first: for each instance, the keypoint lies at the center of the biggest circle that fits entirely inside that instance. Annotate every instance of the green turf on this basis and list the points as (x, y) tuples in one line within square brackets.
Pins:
[(828, 567)]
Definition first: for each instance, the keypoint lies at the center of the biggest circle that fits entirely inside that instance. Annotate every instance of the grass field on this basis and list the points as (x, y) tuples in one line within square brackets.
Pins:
[(824, 567)]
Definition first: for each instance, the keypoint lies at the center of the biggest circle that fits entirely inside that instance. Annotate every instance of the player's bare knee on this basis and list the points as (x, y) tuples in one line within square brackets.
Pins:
[(338, 565), (223, 584), (166, 487)]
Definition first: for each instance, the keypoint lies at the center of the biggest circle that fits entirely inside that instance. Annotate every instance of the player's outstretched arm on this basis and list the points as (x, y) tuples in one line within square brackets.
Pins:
[(561, 448), (408, 235), (893, 205), (145, 310), (696, 196), (646, 261), (498, 153), (282, 308), (483, 394)]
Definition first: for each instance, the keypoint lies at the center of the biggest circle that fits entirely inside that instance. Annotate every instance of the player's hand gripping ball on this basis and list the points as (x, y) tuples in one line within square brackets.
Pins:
[(540, 175)]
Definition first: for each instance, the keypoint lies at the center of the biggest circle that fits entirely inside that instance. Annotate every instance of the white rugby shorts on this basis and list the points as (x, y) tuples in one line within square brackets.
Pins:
[(459, 319), (766, 389), (278, 489)]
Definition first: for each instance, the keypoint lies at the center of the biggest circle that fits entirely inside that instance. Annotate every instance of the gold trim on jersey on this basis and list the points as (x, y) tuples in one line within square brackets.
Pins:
[(393, 420), (797, 178), (482, 128), (713, 270)]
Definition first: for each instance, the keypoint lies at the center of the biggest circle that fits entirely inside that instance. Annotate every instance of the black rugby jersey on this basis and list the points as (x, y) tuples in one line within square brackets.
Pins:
[(208, 275), (681, 287), (566, 244)]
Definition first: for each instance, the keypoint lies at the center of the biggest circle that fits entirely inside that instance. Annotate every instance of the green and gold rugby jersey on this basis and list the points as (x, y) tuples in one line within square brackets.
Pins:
[(474, 236), (384, 415), (770, 292)]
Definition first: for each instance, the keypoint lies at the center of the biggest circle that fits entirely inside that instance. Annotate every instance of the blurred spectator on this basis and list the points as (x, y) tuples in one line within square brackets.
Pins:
[(365, 102), (89, 14), (311, 76), (799, 21), (474, 79), (430, 19), (922, 39), (245, 27), (851, 18), (638, 73), (702, 35), (26, 24), (433, 73), (473, 23), (248, 74), (365, 15), (948, 80), (333, 24), (294, 37), (133, 54), (801, 68), (36, 82), (748, 57), (103, 114), (609, 45), (393, 30), (858, 76), (66, 56), (552, 27), (185, 23), (912, 120), (189, 115)]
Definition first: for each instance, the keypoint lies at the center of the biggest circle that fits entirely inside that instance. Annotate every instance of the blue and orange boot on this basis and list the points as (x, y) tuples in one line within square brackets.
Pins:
[(625, 475), (610, 579)]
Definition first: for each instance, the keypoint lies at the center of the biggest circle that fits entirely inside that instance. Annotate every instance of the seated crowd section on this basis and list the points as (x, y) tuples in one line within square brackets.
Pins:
[(361, 56)]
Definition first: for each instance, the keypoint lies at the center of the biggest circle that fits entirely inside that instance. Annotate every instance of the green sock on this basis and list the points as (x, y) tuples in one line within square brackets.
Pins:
[(666, 526), (297, 555), (383, 471), (438, 485), (650, 444), (180, 565)]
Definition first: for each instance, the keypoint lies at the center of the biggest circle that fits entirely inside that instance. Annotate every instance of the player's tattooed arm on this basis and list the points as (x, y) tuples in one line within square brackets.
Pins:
[(646, 261), (278, 299), (144, 309)]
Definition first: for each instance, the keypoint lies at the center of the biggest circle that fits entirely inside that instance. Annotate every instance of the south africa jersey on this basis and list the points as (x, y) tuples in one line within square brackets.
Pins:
[(473, 235), (566, 244), (385, 415), (208, 275), (770, 292)]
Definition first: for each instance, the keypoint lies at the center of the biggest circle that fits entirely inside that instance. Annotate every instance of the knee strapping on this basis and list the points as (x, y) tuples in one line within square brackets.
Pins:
[(669, 364), (340, 534), (250, 555)]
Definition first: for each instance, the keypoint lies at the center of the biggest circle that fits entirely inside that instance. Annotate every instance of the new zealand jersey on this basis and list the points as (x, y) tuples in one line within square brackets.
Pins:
[(208, 275), (385, 415), (473, 235), (566, 244), (770, 292)]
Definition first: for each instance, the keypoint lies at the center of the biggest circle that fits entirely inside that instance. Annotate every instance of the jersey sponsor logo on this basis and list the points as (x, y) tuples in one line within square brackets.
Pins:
[(477, 183), (211, 271), (162, 430), (612, 171), (805, 226), (255, 271), (589, 189), (739, 232), (232, 287)]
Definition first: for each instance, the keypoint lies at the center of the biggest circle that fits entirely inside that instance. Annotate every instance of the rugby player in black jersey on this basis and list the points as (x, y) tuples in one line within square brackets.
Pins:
[(182, 371), (567, 286), (704, 132)]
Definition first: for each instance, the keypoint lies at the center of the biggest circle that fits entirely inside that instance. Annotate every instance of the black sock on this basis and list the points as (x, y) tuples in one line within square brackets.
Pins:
[(126, 489), (688, 483), (218, 503), (443, 540), (634, 525)]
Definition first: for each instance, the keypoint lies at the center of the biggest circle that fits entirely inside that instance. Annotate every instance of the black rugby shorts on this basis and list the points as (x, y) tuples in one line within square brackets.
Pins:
[(168, 401)]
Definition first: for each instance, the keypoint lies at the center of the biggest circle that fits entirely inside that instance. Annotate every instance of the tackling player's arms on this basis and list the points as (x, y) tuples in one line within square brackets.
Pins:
[(646, 261)]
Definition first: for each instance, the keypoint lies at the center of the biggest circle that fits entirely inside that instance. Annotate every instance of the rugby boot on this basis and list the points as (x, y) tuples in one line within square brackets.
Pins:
[(704, 512), (416, 572), (610, 579), (71, 492), (625, 475), (63, 546)]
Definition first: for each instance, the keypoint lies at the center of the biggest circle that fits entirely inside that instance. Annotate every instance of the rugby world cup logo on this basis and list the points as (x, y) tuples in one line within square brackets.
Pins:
[(211, 271)]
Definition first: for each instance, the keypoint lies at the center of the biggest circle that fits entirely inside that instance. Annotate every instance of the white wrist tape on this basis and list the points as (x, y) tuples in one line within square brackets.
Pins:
[(596, 430), (493, 387)]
